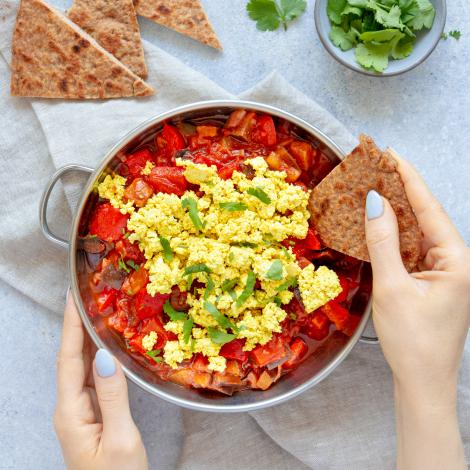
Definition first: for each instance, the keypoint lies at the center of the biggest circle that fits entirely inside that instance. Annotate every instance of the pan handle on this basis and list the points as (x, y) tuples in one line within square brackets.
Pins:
[(369, 339), (45, 201)]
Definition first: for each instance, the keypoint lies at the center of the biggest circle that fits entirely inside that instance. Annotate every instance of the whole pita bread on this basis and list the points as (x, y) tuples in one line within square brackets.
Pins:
[(337, 203), (54, 58), (114, 26), (184, 16)]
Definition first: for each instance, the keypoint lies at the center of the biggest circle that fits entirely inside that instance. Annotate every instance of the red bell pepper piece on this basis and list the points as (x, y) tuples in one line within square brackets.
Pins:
[(108, 223), (136, 162), (106, 299), (173, 139), (351, 324), (271, 352), (303, 153), (136, 281), (311, 241), (234, 350), (168, 179)]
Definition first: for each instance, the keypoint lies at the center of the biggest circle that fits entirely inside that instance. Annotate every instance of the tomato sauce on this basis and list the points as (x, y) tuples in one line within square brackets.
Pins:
[(117, 277)]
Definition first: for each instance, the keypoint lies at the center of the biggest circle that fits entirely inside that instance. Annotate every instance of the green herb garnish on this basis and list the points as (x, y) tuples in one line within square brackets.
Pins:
[(210, 286), (220, 337), (233, 206), (174, 314), (191, 204), (275, 271), (154, 355), (134, 266), (122, 265), (222, 320), (286, 253), (379, 29), (453, 34), (270, 14), (259, 194), (277, 300), (126, 235), (248, 290), (187, 328), (288, 283), (167, 252), (197, 268), (228, 284)]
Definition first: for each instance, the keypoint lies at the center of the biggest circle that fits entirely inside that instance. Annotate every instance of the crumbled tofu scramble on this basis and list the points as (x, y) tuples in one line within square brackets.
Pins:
[(229, 237)]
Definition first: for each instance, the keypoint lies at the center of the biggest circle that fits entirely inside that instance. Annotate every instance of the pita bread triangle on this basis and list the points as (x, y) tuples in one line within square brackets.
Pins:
[(114, 26), (337, 203), (54, 58), (184, 16)]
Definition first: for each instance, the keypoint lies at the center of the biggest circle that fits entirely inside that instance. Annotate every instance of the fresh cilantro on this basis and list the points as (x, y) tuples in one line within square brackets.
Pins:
[(233, 294), (286, 284), (286, 253), (191, 204), (122, 265), (260, 194), (277, 300), (220, 337), (222, 320), (154, 355), (275, 271), (228, 284), (210, 286), (245, 244), (187, 329), (233, 206), (248, 290), (174, 314), (167, 252), (126, 235), (134, 266), (453, 34), (197, 268), (270, 14), (378, 29), (293, 316)]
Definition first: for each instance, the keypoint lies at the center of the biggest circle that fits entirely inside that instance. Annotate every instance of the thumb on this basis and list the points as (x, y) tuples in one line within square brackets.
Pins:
[(382, 239), (111, 390)]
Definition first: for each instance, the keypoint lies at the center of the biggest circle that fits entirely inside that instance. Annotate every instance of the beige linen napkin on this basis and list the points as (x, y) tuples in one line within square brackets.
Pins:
[(344, 422)]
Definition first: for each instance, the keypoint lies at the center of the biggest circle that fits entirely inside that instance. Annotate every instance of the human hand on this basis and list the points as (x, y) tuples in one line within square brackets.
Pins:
[(92, 418), (422, 320)]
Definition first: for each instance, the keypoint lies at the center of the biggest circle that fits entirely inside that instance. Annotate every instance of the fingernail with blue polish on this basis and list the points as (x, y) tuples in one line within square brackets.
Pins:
[(104, 362), (374, 205)]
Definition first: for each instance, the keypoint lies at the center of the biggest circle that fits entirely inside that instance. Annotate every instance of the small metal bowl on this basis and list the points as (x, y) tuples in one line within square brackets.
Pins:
[(426, 42), (310, 372)]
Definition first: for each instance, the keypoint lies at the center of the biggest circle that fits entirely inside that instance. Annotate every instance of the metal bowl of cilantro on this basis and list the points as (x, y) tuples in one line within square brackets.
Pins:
[(380, 37)]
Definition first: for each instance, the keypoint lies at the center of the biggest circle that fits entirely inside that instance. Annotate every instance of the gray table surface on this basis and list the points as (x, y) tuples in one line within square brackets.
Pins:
[(424, 115)]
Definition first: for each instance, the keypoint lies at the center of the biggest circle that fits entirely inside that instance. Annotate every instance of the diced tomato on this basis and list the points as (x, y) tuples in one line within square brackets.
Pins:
[(207, 131), (128, 250), (271, 352), (227, 170), (148, 325), (168, 179), (138, 191), (317, 326), (234, 350), (147, 305), (106, 298), (136, 162), (281, 160), (322, 166), (298, 349), (135, 281), (200, 363), (174, 141), (198, 142), (303, 153), (351, 324), (347, 285), (108, 223), (246, 125), (336, 313), (265, 131), (311, 241)]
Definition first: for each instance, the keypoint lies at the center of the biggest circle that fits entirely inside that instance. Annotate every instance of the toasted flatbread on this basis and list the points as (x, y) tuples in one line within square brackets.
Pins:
[(54, 58), (184, 16), (114, 26), (337, 204)]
